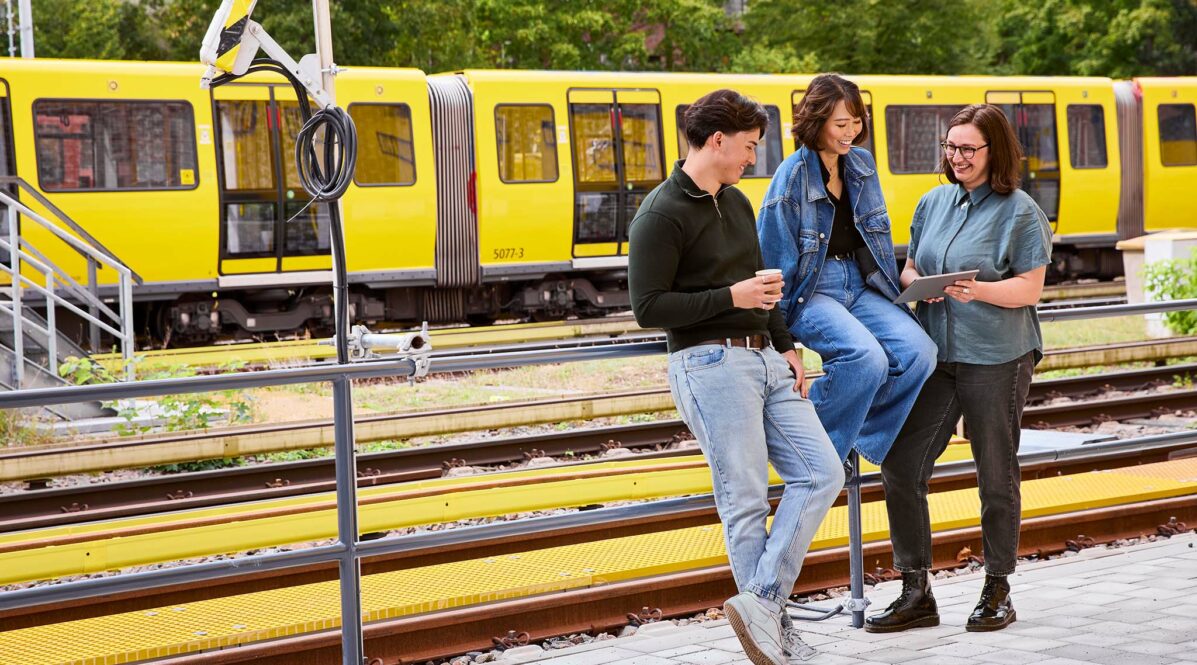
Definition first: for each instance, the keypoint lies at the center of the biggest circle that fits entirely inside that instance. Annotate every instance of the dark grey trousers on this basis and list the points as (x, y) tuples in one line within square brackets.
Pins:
[(991, 399)]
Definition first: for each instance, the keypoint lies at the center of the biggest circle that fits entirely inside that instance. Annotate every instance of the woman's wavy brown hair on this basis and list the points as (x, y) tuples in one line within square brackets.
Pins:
[(824, 91), (1005, 153)]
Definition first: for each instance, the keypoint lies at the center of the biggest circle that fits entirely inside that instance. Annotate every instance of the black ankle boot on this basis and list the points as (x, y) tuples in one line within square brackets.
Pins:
[(995, 611), (914, 608)]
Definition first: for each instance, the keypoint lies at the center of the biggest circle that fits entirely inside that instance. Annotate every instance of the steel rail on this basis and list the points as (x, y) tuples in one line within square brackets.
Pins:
[(606, 608), (124, 594), (42, 462), (97, 501)]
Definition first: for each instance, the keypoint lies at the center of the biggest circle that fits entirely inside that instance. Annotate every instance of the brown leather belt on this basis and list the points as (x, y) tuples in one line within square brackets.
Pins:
[(757, 342)]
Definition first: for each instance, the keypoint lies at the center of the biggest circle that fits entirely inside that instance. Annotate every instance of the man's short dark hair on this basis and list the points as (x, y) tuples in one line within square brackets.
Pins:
[(1005, 152), (817, 105), (724, 111)]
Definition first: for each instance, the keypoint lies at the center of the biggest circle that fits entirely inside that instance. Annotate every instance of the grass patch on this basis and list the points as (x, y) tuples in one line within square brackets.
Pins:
[(18, 429), (1091, 332)]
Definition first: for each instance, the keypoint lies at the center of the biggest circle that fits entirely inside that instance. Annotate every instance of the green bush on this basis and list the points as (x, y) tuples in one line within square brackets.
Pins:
[(187, 411), (1174, 280)]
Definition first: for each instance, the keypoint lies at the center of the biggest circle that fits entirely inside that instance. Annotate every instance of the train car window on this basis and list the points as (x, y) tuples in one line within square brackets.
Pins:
[(250, 228), (526, 135), (1178, 134), (914, 133), (1087, 136), (108, 146), (247, 161), (768, 151), (386, 154), (640, 129)]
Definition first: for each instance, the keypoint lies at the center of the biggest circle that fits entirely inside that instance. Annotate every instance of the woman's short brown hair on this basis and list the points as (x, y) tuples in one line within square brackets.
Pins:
[(824, 91), (1005, 153), (724, 111)]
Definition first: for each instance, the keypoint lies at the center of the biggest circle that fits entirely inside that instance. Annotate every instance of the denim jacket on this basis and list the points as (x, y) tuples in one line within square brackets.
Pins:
[(795, 220)]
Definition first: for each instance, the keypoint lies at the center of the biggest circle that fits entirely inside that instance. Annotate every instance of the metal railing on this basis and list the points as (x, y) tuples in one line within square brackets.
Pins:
[(349, 549), (58, 289)]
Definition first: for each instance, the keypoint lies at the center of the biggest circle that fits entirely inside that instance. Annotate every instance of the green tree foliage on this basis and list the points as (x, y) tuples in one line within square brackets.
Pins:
[(866, 36), (107, 29), (1116, 38)]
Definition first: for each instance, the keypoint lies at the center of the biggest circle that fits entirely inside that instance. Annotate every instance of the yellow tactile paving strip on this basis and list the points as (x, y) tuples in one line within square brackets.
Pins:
[(220, 622), (99, 546)]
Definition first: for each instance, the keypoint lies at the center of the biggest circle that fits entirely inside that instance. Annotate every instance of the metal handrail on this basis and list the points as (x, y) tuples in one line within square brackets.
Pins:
[(73, 286), (21, 252), (340, 374), (49, 273), (66, 219)]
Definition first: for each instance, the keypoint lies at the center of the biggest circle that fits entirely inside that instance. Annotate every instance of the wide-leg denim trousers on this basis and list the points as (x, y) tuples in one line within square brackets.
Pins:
[(741, 406), (991, 399), (875, 359)]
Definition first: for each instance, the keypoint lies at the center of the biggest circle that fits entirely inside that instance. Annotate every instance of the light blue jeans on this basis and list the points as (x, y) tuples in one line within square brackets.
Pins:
[(875, 359), (741, 406)]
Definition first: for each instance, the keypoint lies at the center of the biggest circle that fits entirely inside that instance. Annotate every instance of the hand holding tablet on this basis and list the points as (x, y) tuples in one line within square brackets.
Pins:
[(932, 286)]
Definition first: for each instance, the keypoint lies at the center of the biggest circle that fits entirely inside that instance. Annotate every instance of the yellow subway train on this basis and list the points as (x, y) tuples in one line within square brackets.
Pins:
[(487, 194)]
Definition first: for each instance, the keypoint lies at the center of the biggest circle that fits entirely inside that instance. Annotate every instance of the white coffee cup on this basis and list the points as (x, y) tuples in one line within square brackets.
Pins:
[(769, 272)]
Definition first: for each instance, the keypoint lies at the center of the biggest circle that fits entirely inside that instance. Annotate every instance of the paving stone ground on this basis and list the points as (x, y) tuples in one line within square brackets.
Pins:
[(1135, 605)]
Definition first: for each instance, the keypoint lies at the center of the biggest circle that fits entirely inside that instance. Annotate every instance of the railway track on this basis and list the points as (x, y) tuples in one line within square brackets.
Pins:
[(33, 463), (594, 608), (97, 501)]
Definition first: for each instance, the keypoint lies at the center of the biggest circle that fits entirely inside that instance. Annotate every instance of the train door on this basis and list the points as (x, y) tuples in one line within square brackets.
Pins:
[(266, 222), (1033, 116), (619, 158)]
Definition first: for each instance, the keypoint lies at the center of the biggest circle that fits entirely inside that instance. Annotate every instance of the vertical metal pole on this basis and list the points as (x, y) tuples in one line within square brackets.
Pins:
[(128, 335), (18, 331), (51, 325), (26, 27), (855, 546), (93, 287), (12, 29), (352, 646)]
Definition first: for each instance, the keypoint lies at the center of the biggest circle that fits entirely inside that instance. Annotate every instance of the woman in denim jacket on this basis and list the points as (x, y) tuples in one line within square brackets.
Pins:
[(824, 224)]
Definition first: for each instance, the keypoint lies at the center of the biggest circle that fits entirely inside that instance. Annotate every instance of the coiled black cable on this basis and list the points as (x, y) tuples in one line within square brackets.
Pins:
[(325, 180)]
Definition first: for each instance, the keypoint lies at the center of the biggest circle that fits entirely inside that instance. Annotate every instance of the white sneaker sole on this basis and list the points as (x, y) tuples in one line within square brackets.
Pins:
[(751, 650)]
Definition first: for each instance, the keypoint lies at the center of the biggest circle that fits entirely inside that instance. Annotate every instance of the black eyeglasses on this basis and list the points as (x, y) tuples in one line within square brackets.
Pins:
[(967, 152)]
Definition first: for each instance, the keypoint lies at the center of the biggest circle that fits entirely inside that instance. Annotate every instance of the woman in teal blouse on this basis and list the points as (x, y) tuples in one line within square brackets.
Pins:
[(989, 342)]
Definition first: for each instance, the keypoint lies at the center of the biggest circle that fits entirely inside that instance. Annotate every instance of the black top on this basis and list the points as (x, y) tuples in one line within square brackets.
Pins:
[(686, 250), (845, 237)]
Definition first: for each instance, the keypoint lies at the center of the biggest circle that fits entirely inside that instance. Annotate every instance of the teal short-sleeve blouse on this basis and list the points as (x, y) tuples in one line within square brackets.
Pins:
[(1001, 235)]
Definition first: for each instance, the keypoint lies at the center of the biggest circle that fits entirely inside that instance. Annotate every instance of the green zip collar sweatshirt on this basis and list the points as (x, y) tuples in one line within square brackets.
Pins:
[(686, 248)]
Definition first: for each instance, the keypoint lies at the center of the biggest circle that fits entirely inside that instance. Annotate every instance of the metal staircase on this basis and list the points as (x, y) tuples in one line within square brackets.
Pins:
[(31, 343)]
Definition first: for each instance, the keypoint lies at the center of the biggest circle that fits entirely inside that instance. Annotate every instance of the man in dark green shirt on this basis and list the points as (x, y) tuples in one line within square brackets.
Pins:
[(736, 377)]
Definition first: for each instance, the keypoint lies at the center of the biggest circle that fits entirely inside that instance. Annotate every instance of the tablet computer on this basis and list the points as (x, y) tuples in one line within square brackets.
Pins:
[(931, 286)]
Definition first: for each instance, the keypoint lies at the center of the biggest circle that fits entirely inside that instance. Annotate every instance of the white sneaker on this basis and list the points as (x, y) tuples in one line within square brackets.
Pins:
[(758, 629), (796, 650)]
